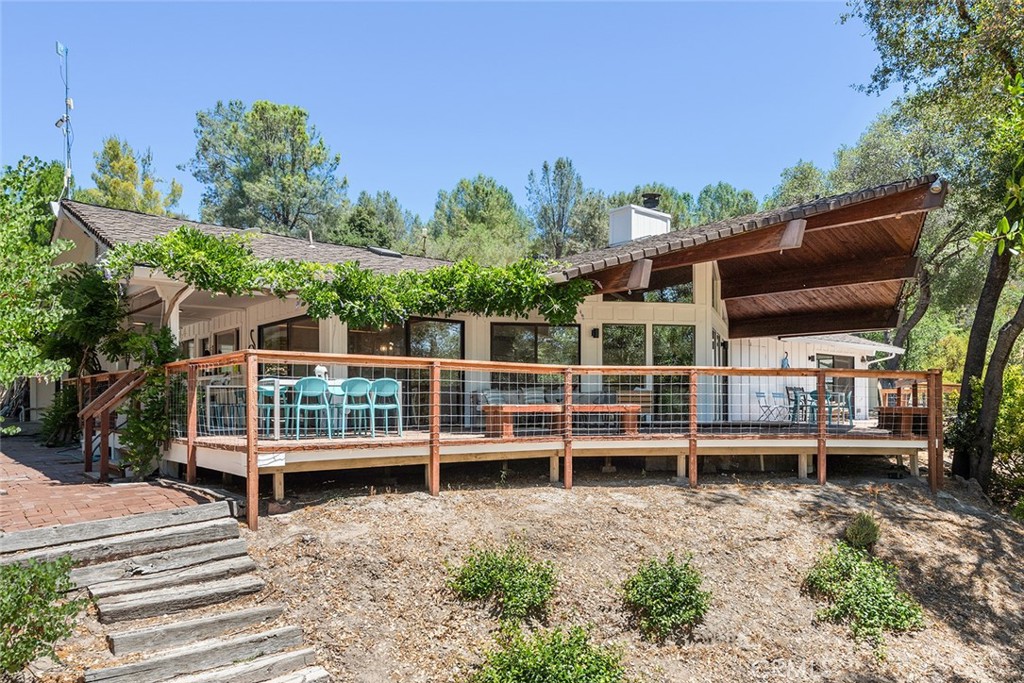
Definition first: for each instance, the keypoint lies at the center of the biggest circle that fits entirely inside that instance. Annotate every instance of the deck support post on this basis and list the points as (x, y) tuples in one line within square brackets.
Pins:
[(691, 466), (193, 421), (801, 465), (567, 426), (935, 436), (279, 486), (915, 466), (553, 468), (434, 466), (104, 446), (252, 472), (87, 438), (681, 458), (823, 414)]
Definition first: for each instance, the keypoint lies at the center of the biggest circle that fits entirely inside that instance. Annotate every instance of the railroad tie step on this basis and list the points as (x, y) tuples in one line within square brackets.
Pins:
[(176, 634), (257, 670), (204, 656), (176, 599), (154, 563), (219, 569), (313, 674)]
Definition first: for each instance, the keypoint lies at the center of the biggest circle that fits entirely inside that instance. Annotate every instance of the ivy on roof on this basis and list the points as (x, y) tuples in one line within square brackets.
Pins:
[(225, 264)]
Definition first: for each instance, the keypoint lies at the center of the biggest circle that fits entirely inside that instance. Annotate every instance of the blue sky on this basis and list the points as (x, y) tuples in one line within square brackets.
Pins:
[(416, 96)]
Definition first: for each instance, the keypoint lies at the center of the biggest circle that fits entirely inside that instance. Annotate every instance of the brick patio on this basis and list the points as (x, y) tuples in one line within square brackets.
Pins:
[(46, 486)]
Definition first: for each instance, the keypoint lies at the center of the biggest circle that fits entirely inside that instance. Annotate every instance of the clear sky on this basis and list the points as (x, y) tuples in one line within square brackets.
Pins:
[(416, 96)]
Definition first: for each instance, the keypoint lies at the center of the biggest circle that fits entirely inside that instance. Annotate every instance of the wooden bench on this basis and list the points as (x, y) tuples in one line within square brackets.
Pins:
[(499, 420), (904, 420)]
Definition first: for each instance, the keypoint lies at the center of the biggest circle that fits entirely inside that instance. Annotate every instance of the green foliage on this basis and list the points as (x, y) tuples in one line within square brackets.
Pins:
[(479, 220), (554, 195), (34, 613), (375, 220), (864, 592), (60, 421), (799, 184), (359, 297), (30, 308), (125, 180), (554, 656), (519, 586), (1008, 441), (266, 167), (863, 531), (94, 311), (680, 205), (722, 200), (31, 185), (666, 597), (147, 426)]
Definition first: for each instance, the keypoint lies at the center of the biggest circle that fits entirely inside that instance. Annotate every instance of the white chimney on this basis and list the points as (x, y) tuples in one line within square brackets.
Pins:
[(632, 222)]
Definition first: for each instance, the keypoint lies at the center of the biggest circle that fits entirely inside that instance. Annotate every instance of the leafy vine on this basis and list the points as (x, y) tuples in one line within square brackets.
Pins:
[(359, 297)]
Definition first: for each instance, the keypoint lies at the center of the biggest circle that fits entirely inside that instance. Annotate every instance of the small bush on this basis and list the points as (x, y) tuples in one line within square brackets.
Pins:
[(665, 597), (60, 420), (863, 531), (862, 591), (556, 656), (34, 613), (520, 586)]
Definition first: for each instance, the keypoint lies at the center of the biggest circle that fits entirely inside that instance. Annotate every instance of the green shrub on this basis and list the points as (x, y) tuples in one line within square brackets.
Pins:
[(34, 612), (554, 656), (520, 586), (665, 597), (863, 531), (60, 420), (864, 592)]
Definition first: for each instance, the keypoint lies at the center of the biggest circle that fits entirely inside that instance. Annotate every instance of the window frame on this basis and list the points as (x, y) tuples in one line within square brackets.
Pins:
[(230, 330), (535, 326), (286, 322)]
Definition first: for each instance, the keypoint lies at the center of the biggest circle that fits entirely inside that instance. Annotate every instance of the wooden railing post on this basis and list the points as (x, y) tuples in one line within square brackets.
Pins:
[(252, 470), (691, 463), (434, 466), (192, 424), (935, 447), (87, 437), (567, 430), (104, 445), (823, 409)]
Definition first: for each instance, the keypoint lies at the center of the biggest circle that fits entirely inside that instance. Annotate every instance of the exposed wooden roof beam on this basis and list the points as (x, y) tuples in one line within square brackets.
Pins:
[(778, 238), (918, 200), (628, 277), (813, 323), (850, 273)]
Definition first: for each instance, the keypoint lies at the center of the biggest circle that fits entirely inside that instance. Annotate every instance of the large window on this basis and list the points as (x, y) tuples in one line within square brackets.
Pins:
[(673, 344), (624, 345), (297, 334), (420, 337), (840, 385), (532, 343)]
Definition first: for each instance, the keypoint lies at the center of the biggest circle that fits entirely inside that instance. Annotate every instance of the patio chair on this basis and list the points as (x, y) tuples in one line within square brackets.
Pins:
[(780, 403), (390, 390), (769, 411), (265, 403), (355, 399), (310, 396)]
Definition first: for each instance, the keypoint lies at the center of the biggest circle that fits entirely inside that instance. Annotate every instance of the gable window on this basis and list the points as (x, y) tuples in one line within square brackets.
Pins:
[(535, 343), (674, 286)]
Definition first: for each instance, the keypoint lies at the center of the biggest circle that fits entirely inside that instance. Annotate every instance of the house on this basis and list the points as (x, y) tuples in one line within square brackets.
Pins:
[(770, 299)]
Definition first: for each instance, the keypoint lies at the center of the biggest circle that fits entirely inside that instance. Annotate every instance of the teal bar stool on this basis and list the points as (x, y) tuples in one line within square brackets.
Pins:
[(310, 396), (386, 397), (355, 399)]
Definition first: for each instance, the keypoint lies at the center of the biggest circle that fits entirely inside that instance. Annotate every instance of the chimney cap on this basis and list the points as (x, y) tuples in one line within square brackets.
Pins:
[(651, 199)]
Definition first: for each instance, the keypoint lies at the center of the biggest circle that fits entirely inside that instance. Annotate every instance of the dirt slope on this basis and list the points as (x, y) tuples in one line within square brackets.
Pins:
[(365, 576)]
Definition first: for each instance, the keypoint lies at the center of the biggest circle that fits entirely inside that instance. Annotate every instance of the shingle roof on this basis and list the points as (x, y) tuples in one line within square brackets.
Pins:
[(115, 226), (685, 238)]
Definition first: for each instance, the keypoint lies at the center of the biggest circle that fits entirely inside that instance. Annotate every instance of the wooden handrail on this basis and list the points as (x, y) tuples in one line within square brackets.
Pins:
[(114, 395)]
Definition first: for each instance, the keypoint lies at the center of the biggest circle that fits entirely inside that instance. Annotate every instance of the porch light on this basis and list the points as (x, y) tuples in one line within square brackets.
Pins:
[(810, 358)]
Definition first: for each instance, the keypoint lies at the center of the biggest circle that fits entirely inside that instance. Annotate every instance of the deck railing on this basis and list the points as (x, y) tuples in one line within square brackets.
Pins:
[(263, 402)]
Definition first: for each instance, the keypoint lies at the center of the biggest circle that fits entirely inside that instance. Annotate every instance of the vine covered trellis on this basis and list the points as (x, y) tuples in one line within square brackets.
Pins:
[(359, 297)]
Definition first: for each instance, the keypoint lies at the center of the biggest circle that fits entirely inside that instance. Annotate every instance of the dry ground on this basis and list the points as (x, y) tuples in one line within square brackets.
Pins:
[(365, 575)]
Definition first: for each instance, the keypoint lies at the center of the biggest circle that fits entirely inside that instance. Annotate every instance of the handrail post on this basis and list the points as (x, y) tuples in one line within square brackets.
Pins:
[(434, 466), (691, 463), (823, 412), (567, 429), (104, 445), (192, 425), (87, 437), (252, 471), (935, 448)]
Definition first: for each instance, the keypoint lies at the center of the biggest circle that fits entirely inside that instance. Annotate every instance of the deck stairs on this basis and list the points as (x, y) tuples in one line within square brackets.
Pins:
[(178, 597)]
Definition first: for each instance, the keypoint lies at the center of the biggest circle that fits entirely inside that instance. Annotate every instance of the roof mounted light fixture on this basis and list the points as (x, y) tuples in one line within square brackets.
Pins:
[(936, 187)]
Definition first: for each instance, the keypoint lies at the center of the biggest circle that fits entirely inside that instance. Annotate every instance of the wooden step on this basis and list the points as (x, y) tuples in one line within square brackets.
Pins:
[(168, 636), (313, 674), (256, 670), (154, 563), (176, 599), (210, 571), (128, 545), (89, 531), (199, 657)]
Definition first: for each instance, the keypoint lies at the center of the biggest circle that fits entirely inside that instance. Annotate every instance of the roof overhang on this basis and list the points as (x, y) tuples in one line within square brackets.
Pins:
[(833, 265)]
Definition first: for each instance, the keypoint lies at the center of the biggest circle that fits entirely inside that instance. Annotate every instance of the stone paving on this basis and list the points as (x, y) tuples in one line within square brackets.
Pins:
[(46, 486)]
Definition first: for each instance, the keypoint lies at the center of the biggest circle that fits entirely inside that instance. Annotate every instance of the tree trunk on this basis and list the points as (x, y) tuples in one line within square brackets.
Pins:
[(924, 299), (974, 361), (983, 454)]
